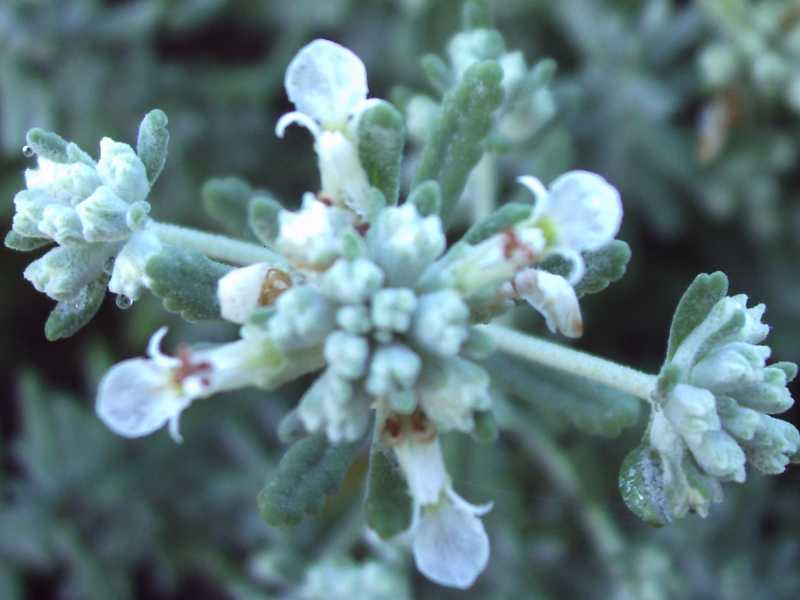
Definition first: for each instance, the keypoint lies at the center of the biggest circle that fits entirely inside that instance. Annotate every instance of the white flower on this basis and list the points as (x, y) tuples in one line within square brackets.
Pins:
[(139, 396), (554, 298), (450, 544), (327, 83), (128, 276), (581, 211), (121, 169), (312, 237), (244, 290)]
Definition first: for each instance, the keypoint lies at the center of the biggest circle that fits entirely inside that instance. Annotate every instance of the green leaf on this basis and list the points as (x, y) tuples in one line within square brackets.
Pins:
[(641, 484), (591, 407), (437, 73), (603, 267), (67, 318), (20, 243), (456, 144), (388, 504), (187, 282), (152, 143), (500, 220), (311, 470), (227, 201), (262, 217), (485, 431), (381, 138), (427, 197), (47, 144), (476, 14), (694, 306)]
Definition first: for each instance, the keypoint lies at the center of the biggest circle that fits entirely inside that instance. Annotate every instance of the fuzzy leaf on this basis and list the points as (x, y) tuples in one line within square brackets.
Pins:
[(152, 143), (500, 220), (427, 197), (262, 217), (227, 200), (591, 407), (695, 304), (456, 144), (381, 138), (437, 72), (20, 243), (641, 485), (311, 470), (603, 267), (388, 503), (187, 282), (48, 145), (67, 318)]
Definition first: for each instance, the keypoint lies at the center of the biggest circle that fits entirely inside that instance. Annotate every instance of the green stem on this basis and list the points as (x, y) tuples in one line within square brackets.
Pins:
[(579, 363), (216, 246)]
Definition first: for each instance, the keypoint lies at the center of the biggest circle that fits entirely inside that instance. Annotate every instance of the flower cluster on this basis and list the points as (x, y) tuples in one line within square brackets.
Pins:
[(713, 411), (369, 292), (96, 212)]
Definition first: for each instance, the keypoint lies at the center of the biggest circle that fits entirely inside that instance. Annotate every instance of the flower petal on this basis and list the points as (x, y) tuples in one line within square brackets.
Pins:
[(450, 545), (326, 81), (585, 209), (554, 298), (424, 469), (135, 398), (298, 118)]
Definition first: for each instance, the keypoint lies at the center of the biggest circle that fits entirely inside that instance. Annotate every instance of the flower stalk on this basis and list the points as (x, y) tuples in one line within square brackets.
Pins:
[(639, 384)]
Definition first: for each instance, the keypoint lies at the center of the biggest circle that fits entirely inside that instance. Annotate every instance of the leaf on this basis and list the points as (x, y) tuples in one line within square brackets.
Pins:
[(388, 504), (311, 470), (476, 14), (500, 220), (262, 217), (695, 304), (152, 143), (591, 407), (227, 201), (485, 431), (47, 144), (381, 138), (437, 72), (603, 267), (641, 484), (67, 318), (427, 197), (20, 243), (187, 282), (456, 144)]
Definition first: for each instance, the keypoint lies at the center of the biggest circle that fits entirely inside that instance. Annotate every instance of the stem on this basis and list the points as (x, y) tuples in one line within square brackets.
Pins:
[(216, 246), (580, 363)]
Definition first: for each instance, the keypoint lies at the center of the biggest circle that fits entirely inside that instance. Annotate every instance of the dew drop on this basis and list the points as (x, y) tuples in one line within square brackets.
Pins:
[(28, 152), (124, 302), (108, 266)]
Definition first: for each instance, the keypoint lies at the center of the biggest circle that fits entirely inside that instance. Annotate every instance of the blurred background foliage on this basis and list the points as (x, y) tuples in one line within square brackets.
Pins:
[(690, 108)]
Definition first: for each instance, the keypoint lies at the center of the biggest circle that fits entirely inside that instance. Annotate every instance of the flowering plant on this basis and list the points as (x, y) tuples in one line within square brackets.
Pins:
[(399, 324)]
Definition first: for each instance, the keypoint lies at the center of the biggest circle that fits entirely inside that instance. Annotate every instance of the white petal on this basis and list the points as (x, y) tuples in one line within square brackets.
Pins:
[(451, 547), (296, 117), (424, 469), (554, 298), (136, 398), (539, 193), (585, 209), (240, 292), (326, 81)]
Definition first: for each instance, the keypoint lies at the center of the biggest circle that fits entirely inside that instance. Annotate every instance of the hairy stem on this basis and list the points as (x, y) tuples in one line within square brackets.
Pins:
[(580, 363), (216, 246)]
